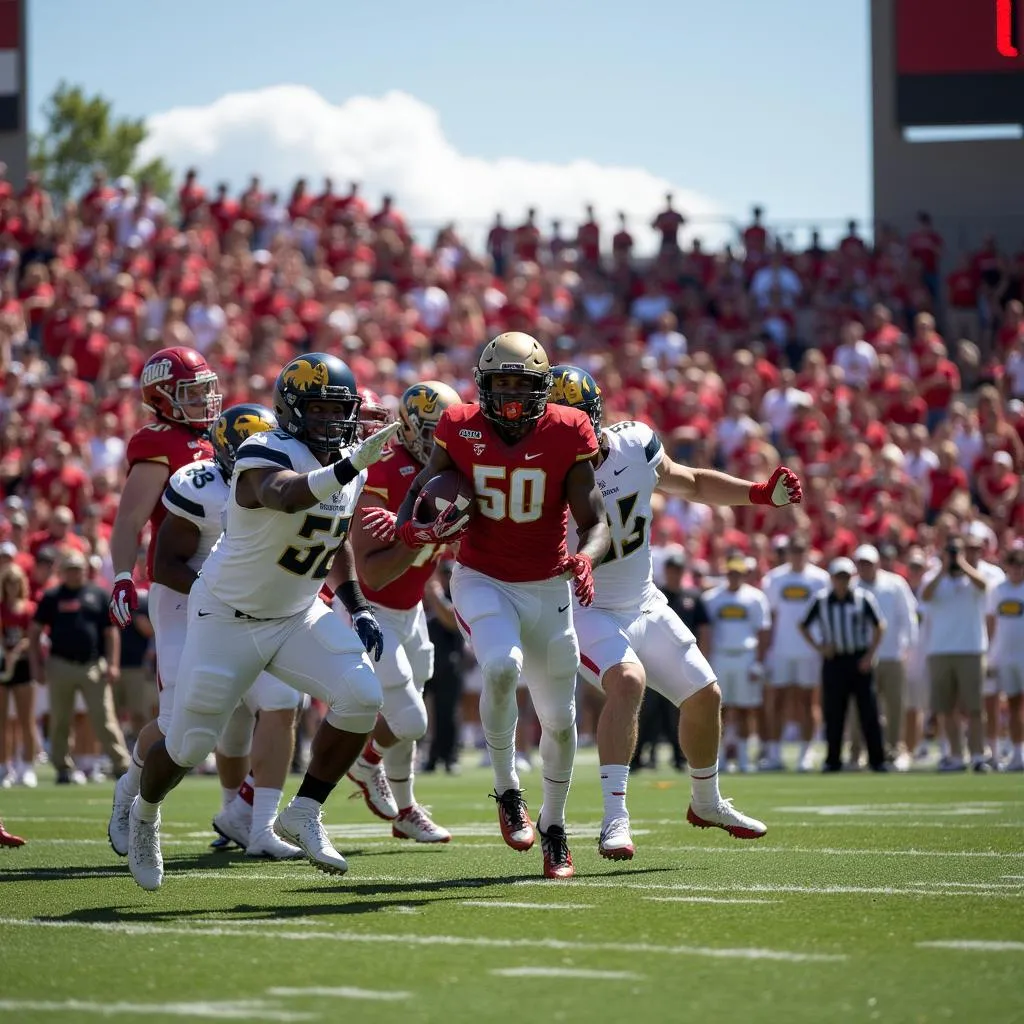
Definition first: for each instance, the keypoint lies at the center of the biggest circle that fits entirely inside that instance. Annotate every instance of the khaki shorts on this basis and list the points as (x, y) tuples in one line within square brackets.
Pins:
[(135, 693), (957, 681)]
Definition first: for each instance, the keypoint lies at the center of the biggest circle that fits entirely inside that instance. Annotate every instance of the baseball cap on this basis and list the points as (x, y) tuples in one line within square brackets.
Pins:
[(840, 566), (675, 559), (737, 563), (73, 560), (8, 550), (866, 553)]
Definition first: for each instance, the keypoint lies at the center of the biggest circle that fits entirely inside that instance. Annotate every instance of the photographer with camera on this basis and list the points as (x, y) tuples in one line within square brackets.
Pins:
[(955, 597)]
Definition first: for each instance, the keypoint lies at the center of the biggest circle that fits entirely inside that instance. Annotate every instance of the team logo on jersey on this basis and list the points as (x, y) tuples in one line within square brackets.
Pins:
[(1011, 609), (305, 375), (154, 373), (471, 435), (732, 612), (407, 470), (479, 449), (795, 592)]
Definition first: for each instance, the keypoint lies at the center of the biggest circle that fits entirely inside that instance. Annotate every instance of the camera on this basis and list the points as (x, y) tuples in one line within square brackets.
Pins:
[(953, 551)]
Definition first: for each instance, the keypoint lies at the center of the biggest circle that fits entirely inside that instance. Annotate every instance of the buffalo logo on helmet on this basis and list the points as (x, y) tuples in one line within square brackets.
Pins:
[(245, 426), (303, 374)]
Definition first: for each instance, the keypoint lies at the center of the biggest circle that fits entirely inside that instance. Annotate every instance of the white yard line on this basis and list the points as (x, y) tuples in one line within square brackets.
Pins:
[(406, 939), (248, 1009), (502, 904), (812, 890), (342, 992), (703, 899), (970, 885), (974, 945), (565, 972), (753, 848)]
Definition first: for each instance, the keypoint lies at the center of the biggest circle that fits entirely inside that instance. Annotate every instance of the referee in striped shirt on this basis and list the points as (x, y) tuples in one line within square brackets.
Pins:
[(848, 629)]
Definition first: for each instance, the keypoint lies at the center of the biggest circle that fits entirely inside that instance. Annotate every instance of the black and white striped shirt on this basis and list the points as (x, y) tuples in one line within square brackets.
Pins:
[(848, 624)]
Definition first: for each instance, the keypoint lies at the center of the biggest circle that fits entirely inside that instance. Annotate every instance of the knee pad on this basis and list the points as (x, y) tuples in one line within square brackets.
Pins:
[(559, 724), (356, 700), (407, 717), (563, 656), (192, 744), (501, 674), (236, 739)]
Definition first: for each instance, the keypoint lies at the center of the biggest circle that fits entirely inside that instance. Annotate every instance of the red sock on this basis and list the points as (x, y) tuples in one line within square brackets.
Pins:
[(245, 790), (371, 755)]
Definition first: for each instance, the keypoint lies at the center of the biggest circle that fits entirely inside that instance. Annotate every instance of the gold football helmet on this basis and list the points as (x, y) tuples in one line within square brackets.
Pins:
[(513, 354), (419, 409)]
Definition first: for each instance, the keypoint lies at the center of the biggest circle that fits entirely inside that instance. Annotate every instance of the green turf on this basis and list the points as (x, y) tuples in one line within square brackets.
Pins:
[(790, 938)]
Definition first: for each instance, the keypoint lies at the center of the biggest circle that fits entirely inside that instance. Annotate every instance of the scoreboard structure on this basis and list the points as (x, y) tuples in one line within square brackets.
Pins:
[(959, 62), (947, 81), (13, 74)]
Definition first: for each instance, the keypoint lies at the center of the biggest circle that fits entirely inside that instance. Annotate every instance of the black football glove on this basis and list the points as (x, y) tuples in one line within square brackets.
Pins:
[(369, 632)]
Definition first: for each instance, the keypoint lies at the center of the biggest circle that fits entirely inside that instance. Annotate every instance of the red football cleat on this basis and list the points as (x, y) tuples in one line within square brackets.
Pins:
[(6, 839), (557, 858), (726, 817), (514, 819)]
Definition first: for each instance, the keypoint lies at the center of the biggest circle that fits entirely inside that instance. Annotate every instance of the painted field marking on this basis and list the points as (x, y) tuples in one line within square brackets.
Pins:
[(971, 885), (753, 849), (974, 945), (248, 1009), (501, 904), (565, 972), (812, 890), (891, 810), (482, 942), (703, 899), (342, 992)]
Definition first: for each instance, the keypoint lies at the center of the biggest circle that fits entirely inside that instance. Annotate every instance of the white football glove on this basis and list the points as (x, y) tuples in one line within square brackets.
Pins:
[(371, 450)]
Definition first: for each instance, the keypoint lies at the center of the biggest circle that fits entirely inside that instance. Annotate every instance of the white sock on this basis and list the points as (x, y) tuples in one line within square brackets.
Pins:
[(226, 796), (742, 758), (132, 779), (503, 761), (264, 809), (556, 760), (614, 778), (306, 804), (704, 786), (147, 811), (398, 764)]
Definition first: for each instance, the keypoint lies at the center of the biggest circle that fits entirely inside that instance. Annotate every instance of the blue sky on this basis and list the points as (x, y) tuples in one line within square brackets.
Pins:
[(740, 102)]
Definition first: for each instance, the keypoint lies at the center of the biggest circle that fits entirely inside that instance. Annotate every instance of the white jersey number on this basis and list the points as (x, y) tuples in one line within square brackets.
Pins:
[(525, 498), (634, 529), (200, 476), (315, 557)]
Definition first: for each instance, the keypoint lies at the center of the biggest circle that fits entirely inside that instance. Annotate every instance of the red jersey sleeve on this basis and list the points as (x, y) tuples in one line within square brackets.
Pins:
[(585, 438), (150, 444)]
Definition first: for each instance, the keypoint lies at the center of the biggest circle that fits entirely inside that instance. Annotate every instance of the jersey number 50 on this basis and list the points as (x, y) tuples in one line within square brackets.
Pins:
[(315, 557), (521, 499)]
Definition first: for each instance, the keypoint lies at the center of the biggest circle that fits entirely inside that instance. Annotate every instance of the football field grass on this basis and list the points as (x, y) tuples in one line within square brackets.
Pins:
[(872, 898)]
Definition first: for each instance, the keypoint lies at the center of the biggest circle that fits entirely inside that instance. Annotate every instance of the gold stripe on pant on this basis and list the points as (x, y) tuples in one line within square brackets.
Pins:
[(64, 679)]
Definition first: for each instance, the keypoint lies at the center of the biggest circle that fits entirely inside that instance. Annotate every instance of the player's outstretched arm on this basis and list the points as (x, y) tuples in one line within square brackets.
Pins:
[(176, 542), (379, 562), (710, 487), (438, 462)]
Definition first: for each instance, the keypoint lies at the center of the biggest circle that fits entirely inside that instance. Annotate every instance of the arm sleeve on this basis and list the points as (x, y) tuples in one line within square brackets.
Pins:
[(585, 440), (444, 430)]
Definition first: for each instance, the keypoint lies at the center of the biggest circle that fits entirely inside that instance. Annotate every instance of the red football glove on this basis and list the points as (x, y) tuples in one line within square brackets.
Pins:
[(380, 523), (447, 528), (582, 570), (124, 600), (783, 488)]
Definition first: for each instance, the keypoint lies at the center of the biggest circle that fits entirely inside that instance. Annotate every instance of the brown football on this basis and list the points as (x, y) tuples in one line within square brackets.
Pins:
[(447, 488)]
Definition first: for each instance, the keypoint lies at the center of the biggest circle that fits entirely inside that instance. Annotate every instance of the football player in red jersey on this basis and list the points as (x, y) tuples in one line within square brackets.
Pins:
[(393, 577), (180, 389), (373, 414), (529, 463)]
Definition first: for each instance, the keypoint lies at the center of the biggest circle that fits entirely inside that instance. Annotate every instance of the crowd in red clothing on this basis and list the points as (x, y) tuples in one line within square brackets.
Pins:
[(893, 391)]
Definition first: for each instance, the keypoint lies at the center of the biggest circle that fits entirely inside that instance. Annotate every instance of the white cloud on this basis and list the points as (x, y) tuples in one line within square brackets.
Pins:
[(395, 143)]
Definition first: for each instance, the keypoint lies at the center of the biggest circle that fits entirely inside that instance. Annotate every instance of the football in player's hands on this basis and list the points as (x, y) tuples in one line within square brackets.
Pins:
[(447, 502), (367, 452), (780, 489)]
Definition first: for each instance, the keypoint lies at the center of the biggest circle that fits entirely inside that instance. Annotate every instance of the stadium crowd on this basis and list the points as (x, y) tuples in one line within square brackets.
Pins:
[(889, 374)]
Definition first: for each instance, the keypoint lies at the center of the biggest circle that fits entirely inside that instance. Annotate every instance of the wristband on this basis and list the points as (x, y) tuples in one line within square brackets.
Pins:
[(322, 483), (121, 577)]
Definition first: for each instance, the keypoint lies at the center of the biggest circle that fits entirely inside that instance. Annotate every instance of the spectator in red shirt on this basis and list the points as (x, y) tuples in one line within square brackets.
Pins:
[(755, 237), (925, 245), (997, 485), (622, 241), (668, 224), (58, 534), (526, 239), (588, 239), (1011, 330), (939, 381), (946, 480), (909, 407), (962, 320), (497, 245)]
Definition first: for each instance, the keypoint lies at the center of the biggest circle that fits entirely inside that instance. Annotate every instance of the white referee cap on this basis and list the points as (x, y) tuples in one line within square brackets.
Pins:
[(839, 566)]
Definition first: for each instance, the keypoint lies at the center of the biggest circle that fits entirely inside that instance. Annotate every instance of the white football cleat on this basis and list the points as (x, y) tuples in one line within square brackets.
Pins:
[(807, 762), (616, 842), (301, 826), (267, 845), (415, 823), (145, 860), (118, 827), (234, 822), (27, 777), (726, 817), (373, 783)]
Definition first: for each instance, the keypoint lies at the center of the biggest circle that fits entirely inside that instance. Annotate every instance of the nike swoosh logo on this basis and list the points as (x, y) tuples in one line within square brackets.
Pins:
[(528, 457), (203, 615), (566, 608), (616, 472)]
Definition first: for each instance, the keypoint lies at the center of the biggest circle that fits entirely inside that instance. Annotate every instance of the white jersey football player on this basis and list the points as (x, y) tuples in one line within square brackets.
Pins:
[(256, 607), (794, 668), (740, 622), (196, 500), (630, 636)]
